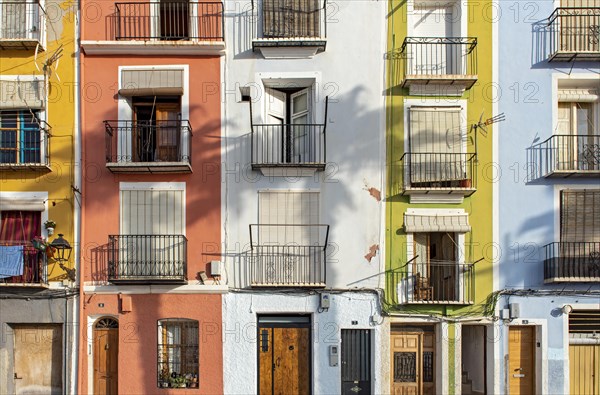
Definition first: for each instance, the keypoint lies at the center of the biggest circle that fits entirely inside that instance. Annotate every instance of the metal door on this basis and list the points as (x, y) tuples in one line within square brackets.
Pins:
[(356, 361)]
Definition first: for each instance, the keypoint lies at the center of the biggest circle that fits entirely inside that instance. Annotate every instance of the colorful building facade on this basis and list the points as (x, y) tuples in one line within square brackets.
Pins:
[(151, 126), (39, 196), (548, 201), (439, 251), (302, 205)]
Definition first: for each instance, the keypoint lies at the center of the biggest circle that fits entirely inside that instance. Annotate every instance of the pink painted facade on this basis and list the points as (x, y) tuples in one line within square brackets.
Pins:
[(136, 277)]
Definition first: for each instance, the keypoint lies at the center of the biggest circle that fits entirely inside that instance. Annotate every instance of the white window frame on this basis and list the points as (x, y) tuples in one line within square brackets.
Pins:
[(154, 186), (125, 107), (458, 5), (410, 250)]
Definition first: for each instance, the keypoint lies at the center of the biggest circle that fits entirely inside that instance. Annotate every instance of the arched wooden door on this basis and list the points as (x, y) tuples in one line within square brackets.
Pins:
[(106, 356)]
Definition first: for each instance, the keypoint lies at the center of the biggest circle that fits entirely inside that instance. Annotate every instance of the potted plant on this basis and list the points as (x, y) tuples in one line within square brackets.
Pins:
[(164, 377), (178, 382), (50, 225)]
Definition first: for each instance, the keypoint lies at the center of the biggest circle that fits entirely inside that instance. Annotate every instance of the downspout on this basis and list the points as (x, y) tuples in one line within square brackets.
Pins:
[(76, 204)]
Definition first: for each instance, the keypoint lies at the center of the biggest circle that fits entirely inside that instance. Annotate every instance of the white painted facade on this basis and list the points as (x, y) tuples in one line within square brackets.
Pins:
[(350, 71)]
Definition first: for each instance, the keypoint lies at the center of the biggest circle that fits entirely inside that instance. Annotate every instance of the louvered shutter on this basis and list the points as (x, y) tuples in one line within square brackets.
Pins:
[(580, 216), (288, 208)]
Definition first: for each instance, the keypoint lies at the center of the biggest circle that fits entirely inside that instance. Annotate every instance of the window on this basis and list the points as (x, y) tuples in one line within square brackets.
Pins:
[(17, 229), (580, 218), (152, 243), (289, 113), (290, 18), (156, 131), (20, 137), (178, 354), (437, 147), (577, 130), (19, 20), (288, 244)]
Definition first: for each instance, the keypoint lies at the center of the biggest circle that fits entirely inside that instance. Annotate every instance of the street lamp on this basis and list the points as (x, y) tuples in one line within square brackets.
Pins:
[(63, 248)]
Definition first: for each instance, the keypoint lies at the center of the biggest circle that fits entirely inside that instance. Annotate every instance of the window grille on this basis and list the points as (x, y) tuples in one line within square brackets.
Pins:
[(178, 353)]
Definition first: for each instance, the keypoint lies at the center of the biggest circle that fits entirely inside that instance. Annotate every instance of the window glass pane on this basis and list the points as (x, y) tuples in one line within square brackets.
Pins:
[(178, 353), (405, 367)]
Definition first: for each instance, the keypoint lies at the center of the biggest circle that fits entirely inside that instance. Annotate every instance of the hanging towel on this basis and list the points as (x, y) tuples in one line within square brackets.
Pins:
[(11, 261)]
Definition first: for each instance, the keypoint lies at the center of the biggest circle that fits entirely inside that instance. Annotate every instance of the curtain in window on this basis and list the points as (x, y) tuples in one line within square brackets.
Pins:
[(18, 228), (20, 225)]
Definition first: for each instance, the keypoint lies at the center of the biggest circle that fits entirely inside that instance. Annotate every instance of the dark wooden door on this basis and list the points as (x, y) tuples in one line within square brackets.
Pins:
[(284, 360), (106, 353)]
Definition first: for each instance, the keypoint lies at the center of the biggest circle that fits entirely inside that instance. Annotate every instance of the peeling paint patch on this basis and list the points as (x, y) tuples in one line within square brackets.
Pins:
[(372, 252), (376, 193)]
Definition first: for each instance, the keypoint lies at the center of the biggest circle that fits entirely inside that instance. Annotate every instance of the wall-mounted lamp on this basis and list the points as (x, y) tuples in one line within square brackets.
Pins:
[(63, 254), (63, 249), (567, 309)]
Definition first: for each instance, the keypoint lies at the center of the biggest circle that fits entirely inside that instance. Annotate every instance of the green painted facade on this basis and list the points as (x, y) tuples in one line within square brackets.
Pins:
[(479, 99)]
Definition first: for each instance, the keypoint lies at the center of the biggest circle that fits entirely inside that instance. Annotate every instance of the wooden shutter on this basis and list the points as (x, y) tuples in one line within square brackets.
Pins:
[(580, 216)]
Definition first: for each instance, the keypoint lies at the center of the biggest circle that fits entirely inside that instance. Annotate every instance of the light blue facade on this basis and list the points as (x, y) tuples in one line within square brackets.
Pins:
[(528, 201)]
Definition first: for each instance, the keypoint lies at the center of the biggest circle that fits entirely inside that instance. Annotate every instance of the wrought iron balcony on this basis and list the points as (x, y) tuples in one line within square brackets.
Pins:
[(34, 265), (147, 259), (288, 255), (148, 146), (291, 145), (438, 172), (21, 25), (434, 283), (575, 34), (24, 146), (562, 156), (168, 21), (296, 24), (439, 61), (572, 262)]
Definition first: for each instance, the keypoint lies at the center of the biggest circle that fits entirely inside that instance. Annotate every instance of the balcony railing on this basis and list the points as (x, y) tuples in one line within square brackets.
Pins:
[(147, 259), (33, 261), (439, 171), (575, 34), (439, 60), (288, 255), (21, 25), (301, 23), (169, 21), (572, 262), (566, 156), (24, 147), (435, 283), (149, 146)]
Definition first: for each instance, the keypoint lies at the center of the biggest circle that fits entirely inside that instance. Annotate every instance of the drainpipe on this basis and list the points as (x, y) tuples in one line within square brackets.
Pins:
[(77, 204)]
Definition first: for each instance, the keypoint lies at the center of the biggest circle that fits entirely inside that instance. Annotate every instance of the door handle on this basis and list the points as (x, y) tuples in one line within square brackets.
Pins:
[(17, 377), (278, 361)]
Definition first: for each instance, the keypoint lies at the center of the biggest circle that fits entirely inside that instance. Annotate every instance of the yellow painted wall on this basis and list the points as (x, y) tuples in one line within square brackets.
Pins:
[(60, 115), (478, 242)]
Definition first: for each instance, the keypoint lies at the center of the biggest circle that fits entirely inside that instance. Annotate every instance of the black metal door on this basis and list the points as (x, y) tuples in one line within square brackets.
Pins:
[(356, 361)]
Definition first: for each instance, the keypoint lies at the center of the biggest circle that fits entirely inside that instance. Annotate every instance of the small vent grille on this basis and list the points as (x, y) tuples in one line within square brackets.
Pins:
[(584, 321)]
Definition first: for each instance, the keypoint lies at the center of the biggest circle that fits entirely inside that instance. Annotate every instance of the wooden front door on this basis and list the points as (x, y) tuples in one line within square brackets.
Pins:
[(412, 362), (284, 359), (521, 360), (106, 354), (38, 359)]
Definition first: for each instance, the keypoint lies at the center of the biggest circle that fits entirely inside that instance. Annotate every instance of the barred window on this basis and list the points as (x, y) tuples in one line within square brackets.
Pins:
[(178, 353)]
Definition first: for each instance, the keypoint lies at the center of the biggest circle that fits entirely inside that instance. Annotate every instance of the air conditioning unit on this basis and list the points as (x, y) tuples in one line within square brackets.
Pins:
[(215, 268)]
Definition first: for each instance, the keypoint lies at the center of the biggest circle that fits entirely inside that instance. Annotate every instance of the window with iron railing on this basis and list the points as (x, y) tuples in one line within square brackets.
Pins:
[(178, 353)]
